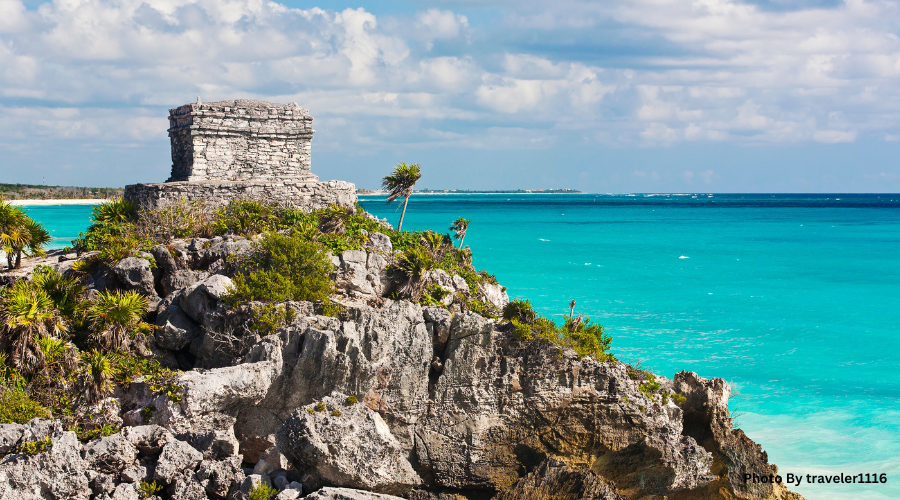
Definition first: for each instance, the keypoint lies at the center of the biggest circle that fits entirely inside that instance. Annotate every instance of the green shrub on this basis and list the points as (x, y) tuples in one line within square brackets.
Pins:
[(283, 268), (351, 400), (519, 310), (587, 338), (320, 406), (268, 318), (678, 398), (262, 491), (35, 447), (148, 489), (147, 413), (336, 413), (580, 334), (16, 407)]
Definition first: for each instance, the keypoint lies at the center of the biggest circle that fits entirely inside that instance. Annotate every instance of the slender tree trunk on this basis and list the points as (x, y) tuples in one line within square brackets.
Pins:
[(462, 239), (18, 259), (403, 213)]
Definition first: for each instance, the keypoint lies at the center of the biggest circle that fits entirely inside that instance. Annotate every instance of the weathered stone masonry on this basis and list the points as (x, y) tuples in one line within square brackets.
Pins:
[(242, 149)]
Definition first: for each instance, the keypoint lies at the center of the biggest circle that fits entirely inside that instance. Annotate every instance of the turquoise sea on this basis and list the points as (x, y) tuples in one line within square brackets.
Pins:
[(794, 299)]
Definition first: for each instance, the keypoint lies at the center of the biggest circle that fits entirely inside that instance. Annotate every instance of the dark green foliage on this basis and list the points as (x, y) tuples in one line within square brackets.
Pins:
[(249, 217), (17, 408), (519, 310), (580, 334), (320, 406), (434, 296), (94, 433), (147, 413), (351, 400), (678, 398), (283, 268), (336, 413), (268, 318)]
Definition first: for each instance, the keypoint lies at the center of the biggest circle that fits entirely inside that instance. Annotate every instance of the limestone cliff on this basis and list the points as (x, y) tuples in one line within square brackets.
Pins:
[(389, 399)]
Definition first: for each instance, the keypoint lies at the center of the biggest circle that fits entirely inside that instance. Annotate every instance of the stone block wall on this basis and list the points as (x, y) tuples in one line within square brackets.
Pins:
[(241, 139), (303, 195)]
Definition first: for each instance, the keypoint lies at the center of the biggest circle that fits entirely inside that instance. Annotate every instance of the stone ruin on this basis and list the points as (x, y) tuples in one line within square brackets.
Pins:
[(243, 148)]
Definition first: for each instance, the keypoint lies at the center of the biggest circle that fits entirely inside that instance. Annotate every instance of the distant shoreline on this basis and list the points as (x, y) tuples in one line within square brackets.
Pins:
[(457, 194), (80, 201)]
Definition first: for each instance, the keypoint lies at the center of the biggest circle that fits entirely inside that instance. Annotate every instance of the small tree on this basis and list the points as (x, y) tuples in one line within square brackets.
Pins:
[(400, 185), (459, 228), (18, 232)]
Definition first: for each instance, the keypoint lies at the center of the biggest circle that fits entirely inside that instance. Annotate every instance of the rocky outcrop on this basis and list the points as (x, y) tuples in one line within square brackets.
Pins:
[(57, 473), (343, 444), (554, 480)]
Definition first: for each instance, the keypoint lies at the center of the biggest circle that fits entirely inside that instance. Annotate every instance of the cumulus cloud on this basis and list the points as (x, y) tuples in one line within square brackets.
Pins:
[(694, 70)]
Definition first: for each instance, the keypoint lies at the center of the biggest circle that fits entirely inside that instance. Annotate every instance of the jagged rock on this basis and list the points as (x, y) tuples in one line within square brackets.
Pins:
[(103, 484), (126, 491), (493, 294), (164, 259), (262, 467), (354, 449), (148, 439), (255, 430), (468, 324), (437, 322), (288, 494), (176, 330), (134, 273), (222, 250), (133, 474), (218, 478), (109, 454), (183, 487), (202, 297), (55, 474), (275, 459), (553, 479), (347, 494), (353, 273), (206, 414), (254, 480), (499, 402), (10, 435), (381, 243), (176, 457), (177, 280)]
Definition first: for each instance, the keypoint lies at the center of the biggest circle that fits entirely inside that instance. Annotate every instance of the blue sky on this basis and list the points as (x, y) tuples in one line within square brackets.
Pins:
[(611, 96)]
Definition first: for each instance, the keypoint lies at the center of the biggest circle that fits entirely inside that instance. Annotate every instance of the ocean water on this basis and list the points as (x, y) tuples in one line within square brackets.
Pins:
[(793, 299)]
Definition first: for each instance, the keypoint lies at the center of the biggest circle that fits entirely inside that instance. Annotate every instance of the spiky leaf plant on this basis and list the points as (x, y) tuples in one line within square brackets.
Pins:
[(114, 314), (400, 183)]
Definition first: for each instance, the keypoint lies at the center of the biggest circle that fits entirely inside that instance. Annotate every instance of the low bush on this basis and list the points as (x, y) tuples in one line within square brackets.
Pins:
[(16, 407), (148, 489), (35, 447), (268, 318), (578, 333), (262, 491), (177, 219), (283, 268)]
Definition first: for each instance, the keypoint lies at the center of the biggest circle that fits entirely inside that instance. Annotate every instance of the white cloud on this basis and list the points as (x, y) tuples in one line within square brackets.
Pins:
[(714, 70)]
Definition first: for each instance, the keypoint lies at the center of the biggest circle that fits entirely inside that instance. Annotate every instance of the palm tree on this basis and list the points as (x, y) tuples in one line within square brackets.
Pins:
[(115, 211), (27, 313), (18, 231), (459, 228), (413, 265), (98, 379), (113, 314), (65, 291), (400, 185)]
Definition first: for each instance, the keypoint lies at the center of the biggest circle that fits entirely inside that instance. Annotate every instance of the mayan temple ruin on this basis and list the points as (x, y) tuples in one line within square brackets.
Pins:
[(242, 149)]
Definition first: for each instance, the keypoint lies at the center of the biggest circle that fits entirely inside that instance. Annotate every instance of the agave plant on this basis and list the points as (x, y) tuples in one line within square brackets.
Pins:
[(114, 314), (413, 265), (459, 228), (400, 185), (27, 313), (97, 382)]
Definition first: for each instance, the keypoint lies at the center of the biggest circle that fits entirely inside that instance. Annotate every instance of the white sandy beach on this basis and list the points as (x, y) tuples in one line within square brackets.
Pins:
[(81, 201)]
